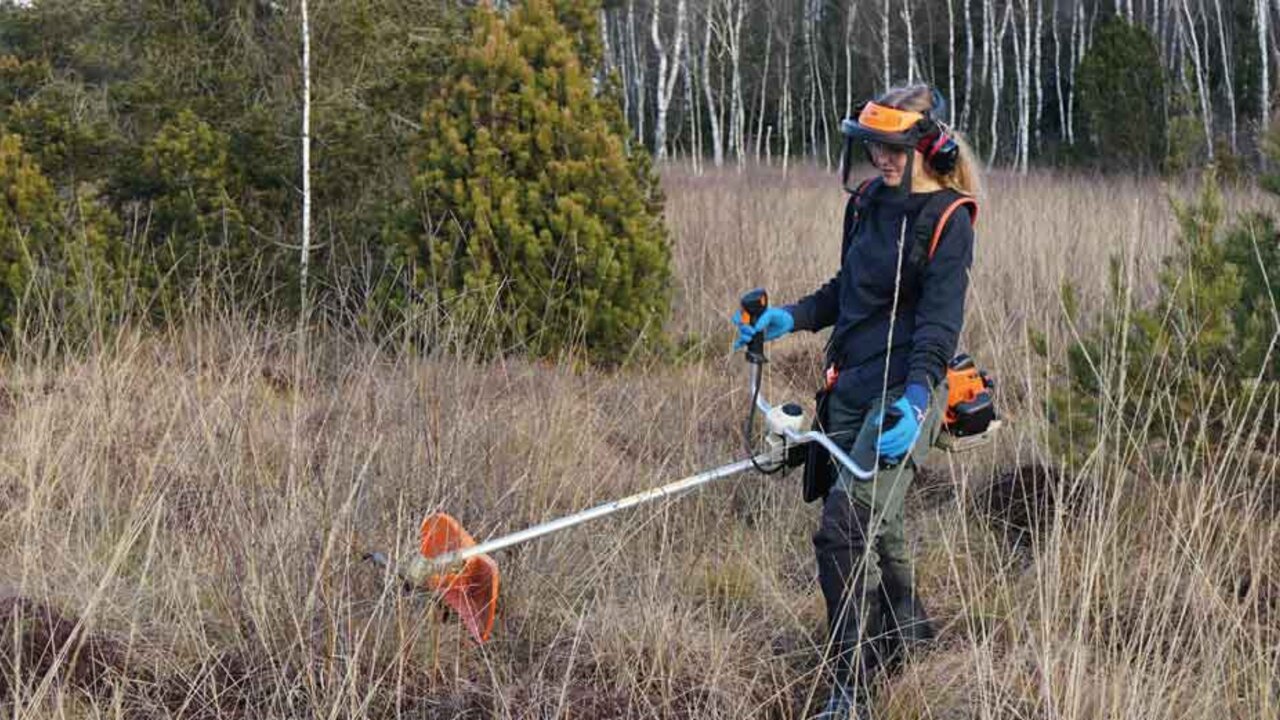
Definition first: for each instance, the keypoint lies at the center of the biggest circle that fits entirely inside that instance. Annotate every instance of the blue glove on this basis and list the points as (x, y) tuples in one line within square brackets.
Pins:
[(910, 408), (774, 322)]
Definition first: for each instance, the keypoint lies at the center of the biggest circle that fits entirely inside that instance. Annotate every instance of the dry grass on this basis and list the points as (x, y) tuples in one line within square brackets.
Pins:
[(182, 515)]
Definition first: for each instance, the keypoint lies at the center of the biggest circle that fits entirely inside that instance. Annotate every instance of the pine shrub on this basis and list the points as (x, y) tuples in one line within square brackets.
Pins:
[(1203, 354), (544, 228), (56, 254)]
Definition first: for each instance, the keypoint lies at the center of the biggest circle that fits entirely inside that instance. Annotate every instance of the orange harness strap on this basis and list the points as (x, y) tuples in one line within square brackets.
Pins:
[(946, 215)]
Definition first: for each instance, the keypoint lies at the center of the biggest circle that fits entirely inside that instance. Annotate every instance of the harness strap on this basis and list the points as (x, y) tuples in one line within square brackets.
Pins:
[(946, 215)]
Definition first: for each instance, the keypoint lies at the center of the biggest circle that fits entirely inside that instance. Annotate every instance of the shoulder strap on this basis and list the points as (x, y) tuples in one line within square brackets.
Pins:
[(866, 185), (938, 227), (854, 210), (932, 221), (863, 191)]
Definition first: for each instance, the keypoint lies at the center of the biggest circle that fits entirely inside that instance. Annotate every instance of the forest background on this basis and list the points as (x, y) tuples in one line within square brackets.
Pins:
[(181, 121)]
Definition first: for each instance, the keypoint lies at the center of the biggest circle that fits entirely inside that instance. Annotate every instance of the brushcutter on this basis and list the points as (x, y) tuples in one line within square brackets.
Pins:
[(450, 562), (461, 571)]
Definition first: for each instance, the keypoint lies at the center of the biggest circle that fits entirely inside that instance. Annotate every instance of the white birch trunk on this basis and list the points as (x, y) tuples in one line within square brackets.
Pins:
[(1157, 21), (884, 44), (624, 68), (305, 260), (784, 109), (1264, 90), (735, 14), (1037, 73), (1021, 69), (951, 61), (713, 107), (764, 81), (1057, 73), (668, 72), (968, 68), (988, 39), (850, 17), (817, 95), (997, 85), (607, 46), (1189, 33), (638, 72), (1226, 75), (692, 107), (911, 42), (1077, 12)]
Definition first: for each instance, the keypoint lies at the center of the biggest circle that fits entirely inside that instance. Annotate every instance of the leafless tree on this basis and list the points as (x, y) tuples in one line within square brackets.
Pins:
[(1264, 89), (1226, 75), (305, 262), (1187, 29), (668, 70)]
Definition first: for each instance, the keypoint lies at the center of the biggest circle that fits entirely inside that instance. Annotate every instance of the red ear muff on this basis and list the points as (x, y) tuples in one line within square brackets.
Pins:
[(940, 150)]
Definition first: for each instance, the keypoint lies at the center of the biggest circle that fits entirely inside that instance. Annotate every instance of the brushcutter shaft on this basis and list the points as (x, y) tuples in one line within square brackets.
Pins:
[(666, 491)]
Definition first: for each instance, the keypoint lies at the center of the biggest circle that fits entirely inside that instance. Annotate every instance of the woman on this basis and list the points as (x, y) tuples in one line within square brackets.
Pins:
[(897, 306)]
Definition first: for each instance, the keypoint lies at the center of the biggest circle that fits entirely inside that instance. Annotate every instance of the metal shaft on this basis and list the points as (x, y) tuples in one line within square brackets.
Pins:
[(422, 566), (666, 491)]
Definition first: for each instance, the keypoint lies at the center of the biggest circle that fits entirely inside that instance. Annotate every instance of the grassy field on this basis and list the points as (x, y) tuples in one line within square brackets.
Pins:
[(183, 513)]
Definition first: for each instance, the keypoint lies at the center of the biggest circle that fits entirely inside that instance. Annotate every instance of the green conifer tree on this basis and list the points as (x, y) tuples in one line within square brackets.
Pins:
[(542, 224), (1121, 85), (28, 223)]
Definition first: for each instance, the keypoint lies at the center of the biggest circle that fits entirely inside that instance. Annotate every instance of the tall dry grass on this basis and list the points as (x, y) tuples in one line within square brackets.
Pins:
[(182, 513)]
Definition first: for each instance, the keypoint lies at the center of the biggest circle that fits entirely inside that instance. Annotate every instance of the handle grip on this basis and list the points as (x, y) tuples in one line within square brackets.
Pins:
[(754, 303)]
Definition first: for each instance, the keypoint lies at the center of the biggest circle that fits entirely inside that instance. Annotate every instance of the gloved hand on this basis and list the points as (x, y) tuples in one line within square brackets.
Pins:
[(773, 322), (897, 441)]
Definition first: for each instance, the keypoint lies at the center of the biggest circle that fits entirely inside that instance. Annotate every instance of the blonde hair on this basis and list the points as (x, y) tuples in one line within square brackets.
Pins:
[(965, 177)]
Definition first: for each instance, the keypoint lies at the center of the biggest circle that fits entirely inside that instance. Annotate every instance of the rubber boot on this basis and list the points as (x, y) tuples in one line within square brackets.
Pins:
[(854, 609), (844, 704), (905, 621)]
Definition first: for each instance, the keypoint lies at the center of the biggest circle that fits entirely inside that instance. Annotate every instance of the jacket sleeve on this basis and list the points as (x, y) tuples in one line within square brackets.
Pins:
[(940, 311), (821, 308)]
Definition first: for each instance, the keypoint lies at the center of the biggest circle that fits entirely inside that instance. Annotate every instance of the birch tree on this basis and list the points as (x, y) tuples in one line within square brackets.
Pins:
[(997, 83), (1226, 76), (734, 13), (1057, 70), (884, 45), (638, 86), (1187, 29), (305, 261), (784, 107), (951, 58), (911, 42), (668, 71), (713, 104), (850, 18), (1021, 66), (764, 76), (1264, 89), (1037, 71), (968, 68)]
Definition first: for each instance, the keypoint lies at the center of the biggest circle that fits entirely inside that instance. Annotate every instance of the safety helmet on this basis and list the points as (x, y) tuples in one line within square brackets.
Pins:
[(881, 123)]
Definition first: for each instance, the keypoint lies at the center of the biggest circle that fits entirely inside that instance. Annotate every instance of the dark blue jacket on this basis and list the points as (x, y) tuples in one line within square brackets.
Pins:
[(859, 300)]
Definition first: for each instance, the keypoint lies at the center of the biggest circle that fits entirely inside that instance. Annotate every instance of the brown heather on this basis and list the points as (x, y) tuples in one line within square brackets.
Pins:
[(183, 513)]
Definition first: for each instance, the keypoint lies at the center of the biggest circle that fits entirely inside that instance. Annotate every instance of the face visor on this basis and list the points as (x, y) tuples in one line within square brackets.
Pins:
[(879, 124)]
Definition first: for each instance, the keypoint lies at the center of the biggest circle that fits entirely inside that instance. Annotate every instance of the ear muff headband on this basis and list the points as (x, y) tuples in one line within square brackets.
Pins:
[(939, 148)]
